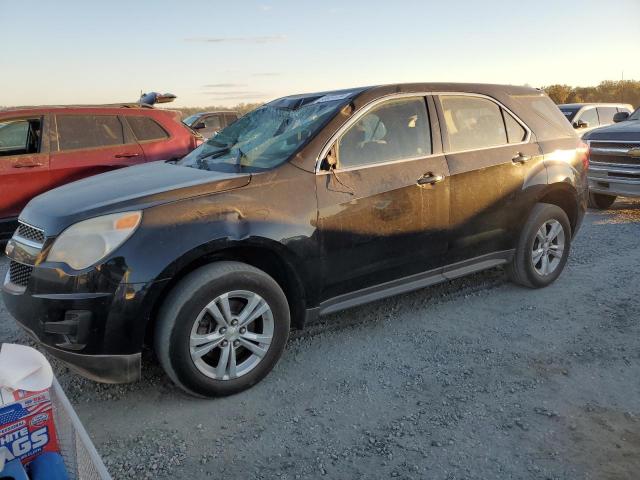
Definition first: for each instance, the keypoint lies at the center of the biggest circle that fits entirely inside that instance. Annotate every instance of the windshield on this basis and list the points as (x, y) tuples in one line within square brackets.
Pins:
[(635, 115), (189, 120), (262, 139), (569, 112)]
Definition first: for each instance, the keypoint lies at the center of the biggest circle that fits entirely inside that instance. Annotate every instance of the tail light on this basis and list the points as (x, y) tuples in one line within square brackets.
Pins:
[(583, 154)]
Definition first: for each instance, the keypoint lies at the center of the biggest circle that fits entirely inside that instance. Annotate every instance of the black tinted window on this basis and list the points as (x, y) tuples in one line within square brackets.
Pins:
[(606, 114), (88, 131), (515, 132), (395, 130), (473, 122), (144, 128)]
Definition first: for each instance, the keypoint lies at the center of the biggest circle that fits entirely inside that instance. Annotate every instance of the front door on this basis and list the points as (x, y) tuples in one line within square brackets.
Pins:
[(24, 163), (383, 210), (489, 154)]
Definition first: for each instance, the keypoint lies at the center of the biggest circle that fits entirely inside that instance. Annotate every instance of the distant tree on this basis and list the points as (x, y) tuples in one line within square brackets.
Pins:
[(614, 91), (558, 93)]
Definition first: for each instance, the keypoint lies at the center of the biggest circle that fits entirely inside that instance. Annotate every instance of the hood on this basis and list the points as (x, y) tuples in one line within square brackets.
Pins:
[(132, 188), (628, 130)]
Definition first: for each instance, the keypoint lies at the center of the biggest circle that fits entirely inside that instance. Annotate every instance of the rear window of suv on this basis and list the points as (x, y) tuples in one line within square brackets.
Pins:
[(554, 123), (88, 131), (145, 129)]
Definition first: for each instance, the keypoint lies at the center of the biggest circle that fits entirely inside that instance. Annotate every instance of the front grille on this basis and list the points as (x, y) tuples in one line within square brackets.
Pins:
[(19, 274), (598, 158), (621, 145), (30, 233)]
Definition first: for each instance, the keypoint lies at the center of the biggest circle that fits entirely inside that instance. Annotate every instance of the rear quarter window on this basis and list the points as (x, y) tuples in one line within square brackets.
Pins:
[(145, 129), (543, 117)]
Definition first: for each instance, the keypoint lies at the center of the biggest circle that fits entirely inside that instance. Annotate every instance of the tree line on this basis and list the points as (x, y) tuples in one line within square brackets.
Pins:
[(609, 91)]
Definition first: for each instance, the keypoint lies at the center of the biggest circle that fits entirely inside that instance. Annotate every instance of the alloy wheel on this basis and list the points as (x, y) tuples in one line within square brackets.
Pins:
[(548, 247), (231, 335)]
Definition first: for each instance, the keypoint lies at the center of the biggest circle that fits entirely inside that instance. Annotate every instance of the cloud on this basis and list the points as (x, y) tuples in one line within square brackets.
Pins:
[(257, 96), (265, 8), (258, 40), (225, 85), (266, 74)]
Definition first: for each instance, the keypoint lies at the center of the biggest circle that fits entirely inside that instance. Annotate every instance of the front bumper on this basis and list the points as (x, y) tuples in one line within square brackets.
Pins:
[(99, 368), (91, 320)]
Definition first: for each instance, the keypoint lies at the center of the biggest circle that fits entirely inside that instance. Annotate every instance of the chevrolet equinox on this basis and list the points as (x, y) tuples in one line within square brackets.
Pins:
[(308, 205)]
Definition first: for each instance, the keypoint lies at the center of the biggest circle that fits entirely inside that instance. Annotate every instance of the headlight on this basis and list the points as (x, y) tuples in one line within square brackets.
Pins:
[(87, 242)]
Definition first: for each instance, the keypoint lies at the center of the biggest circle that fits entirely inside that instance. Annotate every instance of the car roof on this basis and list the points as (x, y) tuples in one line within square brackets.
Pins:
[(106, 108)]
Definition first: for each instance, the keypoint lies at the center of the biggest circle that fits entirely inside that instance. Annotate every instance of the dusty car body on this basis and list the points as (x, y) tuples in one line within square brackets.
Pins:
[(377, 191)]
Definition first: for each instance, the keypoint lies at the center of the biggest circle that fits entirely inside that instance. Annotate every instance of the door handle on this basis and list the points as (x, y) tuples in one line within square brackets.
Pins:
[(127, 155), (26, 165), (430, 179), (520, 158)]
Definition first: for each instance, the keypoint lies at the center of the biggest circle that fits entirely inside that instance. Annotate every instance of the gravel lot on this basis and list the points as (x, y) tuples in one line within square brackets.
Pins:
[(476, 378)]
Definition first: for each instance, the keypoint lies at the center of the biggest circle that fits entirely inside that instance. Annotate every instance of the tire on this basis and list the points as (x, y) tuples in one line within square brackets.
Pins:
[(600, 200), (524, 269), (195, 309)]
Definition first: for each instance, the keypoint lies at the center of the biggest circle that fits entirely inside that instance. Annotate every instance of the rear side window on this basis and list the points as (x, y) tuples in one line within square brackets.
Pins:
[(395, 130), (213, 121), (472, 122), (230, 118), (606, 114), (543, 117), (145, 128), (88, 131), (515, 132)]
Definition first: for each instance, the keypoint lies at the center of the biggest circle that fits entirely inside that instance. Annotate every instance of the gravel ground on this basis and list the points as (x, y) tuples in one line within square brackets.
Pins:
[(473, 379)]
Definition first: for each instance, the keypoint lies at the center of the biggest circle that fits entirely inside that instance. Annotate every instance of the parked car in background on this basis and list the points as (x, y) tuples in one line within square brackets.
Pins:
[(585, 117), (615, 160), (208, 124), (305, 206), (44, 147)]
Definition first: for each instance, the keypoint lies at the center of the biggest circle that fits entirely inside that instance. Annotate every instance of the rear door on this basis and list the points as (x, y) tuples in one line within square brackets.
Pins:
[(90, 144), (24, 162), (383, 212), (153, 138), (489, 153)]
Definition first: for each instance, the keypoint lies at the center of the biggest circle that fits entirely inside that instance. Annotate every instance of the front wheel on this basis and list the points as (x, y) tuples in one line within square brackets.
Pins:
[(601, 201), (222, 329), (543, 247)]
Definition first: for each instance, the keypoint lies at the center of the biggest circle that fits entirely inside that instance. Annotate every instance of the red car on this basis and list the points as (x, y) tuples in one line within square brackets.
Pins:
[(45, 147)]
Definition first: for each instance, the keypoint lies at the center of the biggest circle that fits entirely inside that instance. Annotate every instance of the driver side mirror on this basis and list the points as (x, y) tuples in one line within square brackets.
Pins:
[(199, 126), (580, 124), (330, 161), (620, 117)]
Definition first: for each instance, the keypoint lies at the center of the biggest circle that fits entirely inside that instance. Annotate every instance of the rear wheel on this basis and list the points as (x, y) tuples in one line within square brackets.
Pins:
[(543, 247), (601, 201), (222, 329)]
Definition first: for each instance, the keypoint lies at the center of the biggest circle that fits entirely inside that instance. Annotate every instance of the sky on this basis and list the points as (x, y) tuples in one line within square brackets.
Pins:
[(224, 53)]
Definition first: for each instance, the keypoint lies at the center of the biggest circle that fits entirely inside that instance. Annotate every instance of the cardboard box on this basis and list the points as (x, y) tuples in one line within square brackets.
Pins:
[(27, 428)]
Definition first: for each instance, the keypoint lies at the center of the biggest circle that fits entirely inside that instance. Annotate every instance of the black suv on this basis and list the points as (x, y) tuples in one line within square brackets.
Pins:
[(308, 205)]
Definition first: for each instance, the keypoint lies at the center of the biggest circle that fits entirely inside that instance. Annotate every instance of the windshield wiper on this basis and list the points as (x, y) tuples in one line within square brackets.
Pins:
[(214, 154)]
